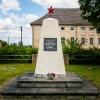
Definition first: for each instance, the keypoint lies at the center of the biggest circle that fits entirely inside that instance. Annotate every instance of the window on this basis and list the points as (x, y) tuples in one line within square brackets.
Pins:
[(63, 40), (71, 28), (82, 28), (83, 40), (72, 38), (91, 41), (91, 28), (98, 41), (62, 28)]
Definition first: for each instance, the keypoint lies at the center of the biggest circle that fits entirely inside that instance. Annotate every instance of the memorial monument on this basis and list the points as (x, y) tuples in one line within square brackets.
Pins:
[(50, 56)]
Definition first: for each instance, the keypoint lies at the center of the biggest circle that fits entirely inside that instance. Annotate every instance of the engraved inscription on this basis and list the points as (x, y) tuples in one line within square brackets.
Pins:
[(50, 44)]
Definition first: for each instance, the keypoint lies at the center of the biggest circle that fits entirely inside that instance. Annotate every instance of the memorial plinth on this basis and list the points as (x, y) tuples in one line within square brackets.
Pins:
[(50, 56)]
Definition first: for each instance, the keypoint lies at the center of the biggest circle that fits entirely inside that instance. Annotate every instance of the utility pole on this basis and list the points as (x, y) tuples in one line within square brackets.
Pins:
[(21, 35), (8, 40)]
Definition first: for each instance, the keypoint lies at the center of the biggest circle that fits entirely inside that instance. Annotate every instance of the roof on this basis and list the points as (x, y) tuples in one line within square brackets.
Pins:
[(65, 16)]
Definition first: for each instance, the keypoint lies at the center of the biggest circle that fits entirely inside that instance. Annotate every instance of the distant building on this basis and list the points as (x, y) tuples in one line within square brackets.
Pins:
[(71, 26), (0, 44)]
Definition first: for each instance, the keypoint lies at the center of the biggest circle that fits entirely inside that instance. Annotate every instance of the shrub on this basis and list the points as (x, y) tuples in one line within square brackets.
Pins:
[(13, 49)]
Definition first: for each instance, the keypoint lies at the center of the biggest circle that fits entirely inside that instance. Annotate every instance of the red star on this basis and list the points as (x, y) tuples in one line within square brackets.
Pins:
[(51, 10)]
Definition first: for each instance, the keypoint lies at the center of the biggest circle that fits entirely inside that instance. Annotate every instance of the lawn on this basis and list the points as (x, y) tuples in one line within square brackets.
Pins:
[(90, 72), (9, 71)]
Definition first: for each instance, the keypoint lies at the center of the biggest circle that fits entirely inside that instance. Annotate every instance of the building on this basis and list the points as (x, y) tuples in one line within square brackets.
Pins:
[(0, 44), (71, 26)]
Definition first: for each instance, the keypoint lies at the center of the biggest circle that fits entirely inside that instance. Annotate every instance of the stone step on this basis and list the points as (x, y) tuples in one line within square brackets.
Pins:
[(49, 93), (71, 80), (12, 90)]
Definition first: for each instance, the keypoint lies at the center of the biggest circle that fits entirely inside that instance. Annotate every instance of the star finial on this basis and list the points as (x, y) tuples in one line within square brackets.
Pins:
[(51, 10)]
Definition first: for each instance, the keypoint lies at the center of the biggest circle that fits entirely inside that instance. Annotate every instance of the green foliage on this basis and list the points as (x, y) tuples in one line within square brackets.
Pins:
[(75, 51), (13, 49), (91, 12), (72, 48), (4, 43), (20, 44)]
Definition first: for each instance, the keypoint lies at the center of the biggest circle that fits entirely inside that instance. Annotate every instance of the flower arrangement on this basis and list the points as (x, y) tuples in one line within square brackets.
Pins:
[(51, 76)]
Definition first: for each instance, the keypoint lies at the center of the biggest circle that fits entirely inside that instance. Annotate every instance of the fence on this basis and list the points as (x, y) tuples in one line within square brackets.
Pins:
[(68, 59), (25, 58), (84, 59), (15, 58)]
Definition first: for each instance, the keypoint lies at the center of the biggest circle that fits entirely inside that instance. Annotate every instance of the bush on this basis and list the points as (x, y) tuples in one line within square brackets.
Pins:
[(16, 50), (75, 51)]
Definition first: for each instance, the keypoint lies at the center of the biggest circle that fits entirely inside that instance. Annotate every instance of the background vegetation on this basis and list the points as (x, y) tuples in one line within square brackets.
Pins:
[(90, 11), (73, 48), (14, 49), (15, 52), (75, 51)]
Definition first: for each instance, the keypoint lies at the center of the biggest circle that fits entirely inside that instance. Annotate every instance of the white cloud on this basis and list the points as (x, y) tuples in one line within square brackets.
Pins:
[(24, 18), (30, 17), (8, 5), (27, 26), (58, 3), (4, 23), (8, 28)]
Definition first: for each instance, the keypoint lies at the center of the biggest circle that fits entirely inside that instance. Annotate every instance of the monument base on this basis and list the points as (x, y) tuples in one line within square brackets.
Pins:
[(71, 86)]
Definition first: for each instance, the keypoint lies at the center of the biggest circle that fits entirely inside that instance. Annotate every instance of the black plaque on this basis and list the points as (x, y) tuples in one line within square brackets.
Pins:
[(50, 44)]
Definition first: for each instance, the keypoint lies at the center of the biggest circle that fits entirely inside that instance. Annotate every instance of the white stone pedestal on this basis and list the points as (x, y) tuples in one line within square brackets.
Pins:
[(50, 56)]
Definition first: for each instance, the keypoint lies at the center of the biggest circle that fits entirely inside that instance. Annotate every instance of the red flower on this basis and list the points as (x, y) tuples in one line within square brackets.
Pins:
[(53, 74)]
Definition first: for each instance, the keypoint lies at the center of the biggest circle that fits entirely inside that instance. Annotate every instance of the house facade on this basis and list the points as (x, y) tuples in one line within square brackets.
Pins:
[(71, 27)]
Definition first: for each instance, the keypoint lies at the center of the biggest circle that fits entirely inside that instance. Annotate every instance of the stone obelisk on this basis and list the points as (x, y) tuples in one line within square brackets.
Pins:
[(50, 56)]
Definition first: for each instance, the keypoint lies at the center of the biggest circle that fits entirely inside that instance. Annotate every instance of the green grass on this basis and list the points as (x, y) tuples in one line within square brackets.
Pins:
[(90, 72), (8, 71)]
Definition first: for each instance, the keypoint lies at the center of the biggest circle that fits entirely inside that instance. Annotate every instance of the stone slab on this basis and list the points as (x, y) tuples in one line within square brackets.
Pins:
[(72, 80), (58, 91), (74, 85), (23, 85)]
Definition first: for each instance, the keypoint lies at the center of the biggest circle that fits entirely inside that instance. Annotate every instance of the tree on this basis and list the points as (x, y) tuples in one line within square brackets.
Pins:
[(72, 47), (4, 43), (91, 12), (20, 44)]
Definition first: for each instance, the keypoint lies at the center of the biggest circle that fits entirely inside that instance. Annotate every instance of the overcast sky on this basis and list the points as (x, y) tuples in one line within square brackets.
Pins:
[(17, 13)]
